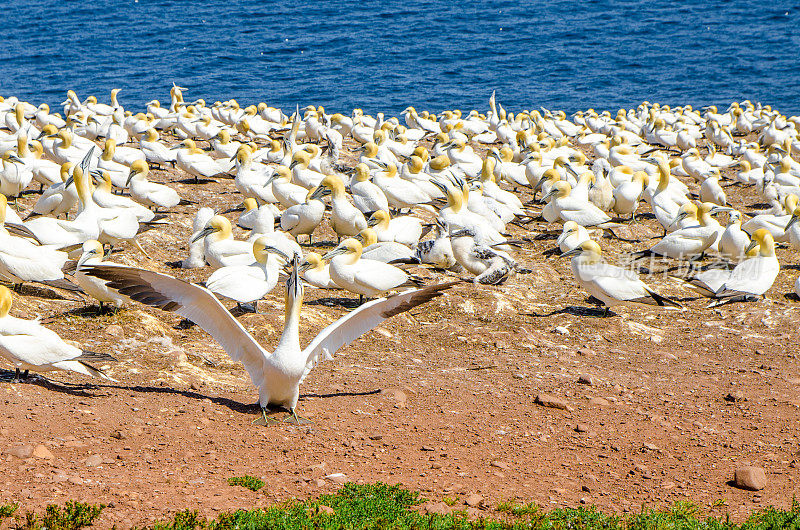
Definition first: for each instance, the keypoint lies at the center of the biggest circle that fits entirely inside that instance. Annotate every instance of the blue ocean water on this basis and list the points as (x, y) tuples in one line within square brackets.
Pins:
[(385, 55)]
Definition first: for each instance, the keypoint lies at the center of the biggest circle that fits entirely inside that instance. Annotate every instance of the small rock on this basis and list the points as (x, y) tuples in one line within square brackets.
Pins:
[(118, 435), (585, 352), (553, 402), (581, 427), (326, 509), (501, 465), (473, 500), (319, 482), (438, 508), (651, 447), (750, 478), (600, 402), (337, 478), (21, 451), (395, 394), (586, 489), (94, 461), (519, 375), (43, 452), (735, 397), (561, 330), (115, 331), (427, 448), (586, 379)]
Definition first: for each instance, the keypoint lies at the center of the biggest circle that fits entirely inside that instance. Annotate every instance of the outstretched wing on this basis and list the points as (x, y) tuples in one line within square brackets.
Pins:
[(190, 301), (354, 324)]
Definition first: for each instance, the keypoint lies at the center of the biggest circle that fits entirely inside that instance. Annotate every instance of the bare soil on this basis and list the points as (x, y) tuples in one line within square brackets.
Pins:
[(442, 400)]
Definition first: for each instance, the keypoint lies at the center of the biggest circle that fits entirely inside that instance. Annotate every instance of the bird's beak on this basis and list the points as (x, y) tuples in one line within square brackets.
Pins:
[(719, 209), (335, 252), (86, 257), (15, 158), (238, 208), (574, 252), (204, 232), (439, 185), (69, 181), (277, 252), (792, 221), (318, 193), (294, 163), (572, 171), (549, 194), (372, 221), (753, 244), (678, 218)]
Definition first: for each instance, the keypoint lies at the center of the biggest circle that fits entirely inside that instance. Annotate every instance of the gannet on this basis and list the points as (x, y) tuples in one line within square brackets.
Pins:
[(399, 193), (367, 197), (154, 151), (437, 251), (92, 254), (248, 284), (734, 240), (365, 277), (572, 235), (404, 229), (610, 284), (384, 251), (30, 346), (277, 375), (316, 271), (150, 194), (197, 252), (59, 198), (569, 208), (627, 195), (221, 250), (196, 163), (346, 220), (490, 266), (754, 276)]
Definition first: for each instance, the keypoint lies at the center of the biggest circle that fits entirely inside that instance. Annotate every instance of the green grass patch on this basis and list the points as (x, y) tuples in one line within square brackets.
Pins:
[(251, 483), (378, 506), (7, 510), (72, 516)]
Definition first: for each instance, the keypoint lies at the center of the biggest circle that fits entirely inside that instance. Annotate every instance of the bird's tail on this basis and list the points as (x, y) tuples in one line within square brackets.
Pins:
[(95, 372), (663, 300), (62, 283)]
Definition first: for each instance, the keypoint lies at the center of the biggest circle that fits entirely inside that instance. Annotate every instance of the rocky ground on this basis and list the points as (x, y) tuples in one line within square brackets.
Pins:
[(487, 394)]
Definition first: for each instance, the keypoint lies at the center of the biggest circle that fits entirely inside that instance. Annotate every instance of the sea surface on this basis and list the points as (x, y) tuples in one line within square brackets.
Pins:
[(385, 55)]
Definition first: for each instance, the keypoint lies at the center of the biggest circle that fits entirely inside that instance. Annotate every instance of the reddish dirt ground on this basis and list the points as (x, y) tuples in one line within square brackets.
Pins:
[(442, 400)]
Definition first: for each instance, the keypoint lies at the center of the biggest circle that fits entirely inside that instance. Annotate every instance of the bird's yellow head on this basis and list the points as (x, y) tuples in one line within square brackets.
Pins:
[(415, 165), (422, 153), (313, 261), (300, 158), (5, 301), (439, 163), (362, 172), (219, 226), (765, 242), (370, 149), (380, 219), (250, 204), (368, 237)]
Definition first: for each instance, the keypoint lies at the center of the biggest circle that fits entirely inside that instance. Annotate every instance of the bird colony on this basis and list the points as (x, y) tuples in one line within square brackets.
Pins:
[(394, 211)]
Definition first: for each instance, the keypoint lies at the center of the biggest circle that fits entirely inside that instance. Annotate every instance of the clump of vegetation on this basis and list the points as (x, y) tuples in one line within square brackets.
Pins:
[(251, 483), (7, 510), (378, 506), (72, 516)]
